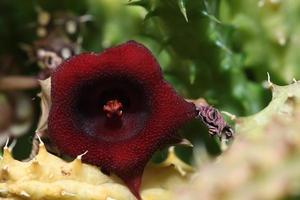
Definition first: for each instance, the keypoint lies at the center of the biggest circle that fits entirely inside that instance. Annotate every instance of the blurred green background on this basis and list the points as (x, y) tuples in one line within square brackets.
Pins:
[(217, 49)]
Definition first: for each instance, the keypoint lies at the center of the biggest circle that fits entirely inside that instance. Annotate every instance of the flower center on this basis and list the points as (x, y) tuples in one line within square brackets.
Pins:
[(113, 109), (122, 109)]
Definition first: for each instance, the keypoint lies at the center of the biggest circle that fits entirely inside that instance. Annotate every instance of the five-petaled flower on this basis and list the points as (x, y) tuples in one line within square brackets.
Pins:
[(117, 106)]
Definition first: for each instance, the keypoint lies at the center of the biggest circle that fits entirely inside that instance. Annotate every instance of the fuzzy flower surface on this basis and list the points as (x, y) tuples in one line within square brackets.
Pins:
[(117, 107)]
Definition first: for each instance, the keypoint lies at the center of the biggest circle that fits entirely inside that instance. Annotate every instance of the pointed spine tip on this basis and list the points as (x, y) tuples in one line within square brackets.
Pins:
[(77, 163), (182, 8), (230, 115), (7, 154), (24, 194), (67, 194), (40, 140), (42, 148), (79, 157), (295, 80), (7, 150), (269, 85), (171, 150), (6, 143), (186, 142)]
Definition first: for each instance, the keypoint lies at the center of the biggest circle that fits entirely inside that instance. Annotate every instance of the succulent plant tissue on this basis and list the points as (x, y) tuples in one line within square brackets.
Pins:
[(149, 99)]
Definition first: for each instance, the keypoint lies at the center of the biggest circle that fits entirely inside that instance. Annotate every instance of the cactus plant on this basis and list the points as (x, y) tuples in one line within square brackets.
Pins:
[(217, 49), (262, 157), (267, 32), (262, 162), (58, 179)]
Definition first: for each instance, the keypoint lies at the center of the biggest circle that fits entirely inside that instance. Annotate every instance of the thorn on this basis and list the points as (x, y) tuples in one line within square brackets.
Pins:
[(171, 149), (65, 193), (40, 140), (77, 164), (6, 143), (183, 9), (7, 153), (24, 194), (269, 78), (13, 144), (231, 116), (270, 84), (42, 151), (186, 142), (81, 155), (6, 149), (294, 80)]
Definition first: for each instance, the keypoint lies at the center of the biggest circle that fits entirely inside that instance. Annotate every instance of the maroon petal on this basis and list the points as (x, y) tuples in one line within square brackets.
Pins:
[(116, 106)]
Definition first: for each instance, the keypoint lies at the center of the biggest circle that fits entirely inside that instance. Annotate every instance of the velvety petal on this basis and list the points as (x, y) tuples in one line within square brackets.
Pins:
[(152, 114)]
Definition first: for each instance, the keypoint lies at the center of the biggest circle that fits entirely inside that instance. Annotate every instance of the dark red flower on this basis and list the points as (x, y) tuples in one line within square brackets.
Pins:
[(116, 106)]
